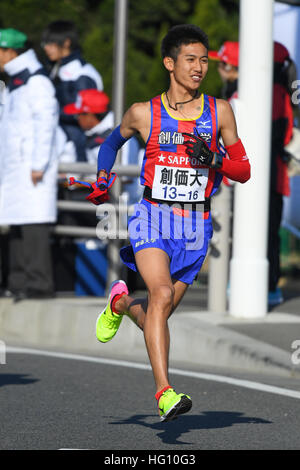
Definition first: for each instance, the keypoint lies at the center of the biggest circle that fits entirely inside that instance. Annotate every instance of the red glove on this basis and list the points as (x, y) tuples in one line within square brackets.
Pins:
[(99, 194)]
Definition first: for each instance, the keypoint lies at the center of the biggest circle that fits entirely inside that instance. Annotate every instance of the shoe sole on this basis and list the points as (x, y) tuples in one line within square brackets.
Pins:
[(98, 318), (182, 406)]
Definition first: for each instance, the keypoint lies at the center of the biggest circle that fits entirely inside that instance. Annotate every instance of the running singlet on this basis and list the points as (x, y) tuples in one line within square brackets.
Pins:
[(167, 170)]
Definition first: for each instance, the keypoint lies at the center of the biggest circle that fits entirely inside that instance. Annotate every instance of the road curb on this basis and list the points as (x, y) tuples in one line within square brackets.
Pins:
[(217, 346), (70, 326)]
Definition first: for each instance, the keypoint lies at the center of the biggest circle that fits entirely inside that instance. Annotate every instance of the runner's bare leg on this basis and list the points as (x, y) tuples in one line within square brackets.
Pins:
[(161, 303), (136, 308)]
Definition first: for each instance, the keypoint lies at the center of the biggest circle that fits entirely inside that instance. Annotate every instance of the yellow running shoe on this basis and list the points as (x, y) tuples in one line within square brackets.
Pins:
[(171, 404), (108, 322)]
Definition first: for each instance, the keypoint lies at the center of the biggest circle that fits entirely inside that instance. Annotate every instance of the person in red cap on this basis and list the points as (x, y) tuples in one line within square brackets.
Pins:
[(94, 117), (228, 53), (282, 132), (228, 58), (282, 125)]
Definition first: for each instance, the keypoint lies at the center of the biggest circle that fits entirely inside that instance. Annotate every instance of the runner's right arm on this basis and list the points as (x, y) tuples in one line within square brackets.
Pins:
[(136, 119)]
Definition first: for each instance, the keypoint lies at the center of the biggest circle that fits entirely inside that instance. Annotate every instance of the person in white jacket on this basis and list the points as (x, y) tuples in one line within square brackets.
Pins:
[(28, 166)]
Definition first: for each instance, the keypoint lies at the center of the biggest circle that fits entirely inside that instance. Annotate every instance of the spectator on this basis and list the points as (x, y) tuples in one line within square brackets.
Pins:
[(282, 125), (70, 73), (28, 166), (3, 230), (228, 58)]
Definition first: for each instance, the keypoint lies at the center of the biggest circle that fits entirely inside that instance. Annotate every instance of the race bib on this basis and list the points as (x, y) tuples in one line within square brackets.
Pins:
[(180, 184)]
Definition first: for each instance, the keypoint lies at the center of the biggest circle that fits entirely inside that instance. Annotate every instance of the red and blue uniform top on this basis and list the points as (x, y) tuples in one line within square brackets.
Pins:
[(167, 169)]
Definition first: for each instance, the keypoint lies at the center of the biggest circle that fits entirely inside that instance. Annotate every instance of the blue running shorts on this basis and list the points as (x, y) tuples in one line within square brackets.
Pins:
[(184, 236)]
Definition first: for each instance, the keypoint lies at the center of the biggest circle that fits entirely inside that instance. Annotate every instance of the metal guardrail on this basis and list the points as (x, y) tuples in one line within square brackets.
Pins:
[(88, 169), (78, 206), (75, 206), (72, 231)]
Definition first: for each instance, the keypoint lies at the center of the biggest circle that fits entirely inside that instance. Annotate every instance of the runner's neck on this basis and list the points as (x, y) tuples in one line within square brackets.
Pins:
[(188, 109)]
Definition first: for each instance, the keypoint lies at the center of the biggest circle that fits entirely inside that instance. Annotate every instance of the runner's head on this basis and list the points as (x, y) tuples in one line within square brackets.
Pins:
[(185, 56), (180, 35)]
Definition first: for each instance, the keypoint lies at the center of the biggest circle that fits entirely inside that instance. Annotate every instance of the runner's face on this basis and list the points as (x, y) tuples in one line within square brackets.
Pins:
[(191, 65)]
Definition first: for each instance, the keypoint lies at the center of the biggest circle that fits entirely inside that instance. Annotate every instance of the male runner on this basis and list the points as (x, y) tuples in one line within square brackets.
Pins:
[(183, 163)]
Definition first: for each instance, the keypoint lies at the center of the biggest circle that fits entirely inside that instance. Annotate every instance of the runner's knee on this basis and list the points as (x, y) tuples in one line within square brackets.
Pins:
[(162, 295)]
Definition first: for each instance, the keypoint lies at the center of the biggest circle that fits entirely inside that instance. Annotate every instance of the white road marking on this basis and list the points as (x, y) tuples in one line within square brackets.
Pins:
[(136, 365)]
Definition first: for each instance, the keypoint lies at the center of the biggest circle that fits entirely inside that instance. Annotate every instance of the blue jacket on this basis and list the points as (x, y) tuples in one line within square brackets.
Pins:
[(70, 76)]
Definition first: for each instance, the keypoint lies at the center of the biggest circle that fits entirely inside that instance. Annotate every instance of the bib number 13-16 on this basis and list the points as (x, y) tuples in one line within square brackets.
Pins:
[(180, 184)]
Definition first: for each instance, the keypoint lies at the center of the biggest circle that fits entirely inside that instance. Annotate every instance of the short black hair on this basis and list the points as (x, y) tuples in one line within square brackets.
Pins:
[(179, 35), (58, 31)]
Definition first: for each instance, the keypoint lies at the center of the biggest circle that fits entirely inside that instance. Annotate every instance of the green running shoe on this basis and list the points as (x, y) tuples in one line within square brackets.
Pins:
[(171, 404), (108, 322)]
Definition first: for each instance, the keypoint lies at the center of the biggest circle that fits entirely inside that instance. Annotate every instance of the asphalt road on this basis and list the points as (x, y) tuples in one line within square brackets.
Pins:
[(58, 403)]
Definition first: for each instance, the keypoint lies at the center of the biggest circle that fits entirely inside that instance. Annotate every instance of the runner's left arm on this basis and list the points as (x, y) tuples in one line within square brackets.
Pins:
[(237, 166)]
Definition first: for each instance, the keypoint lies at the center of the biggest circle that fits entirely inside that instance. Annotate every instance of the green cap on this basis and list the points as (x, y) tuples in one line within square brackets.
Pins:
[(11, 38)]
